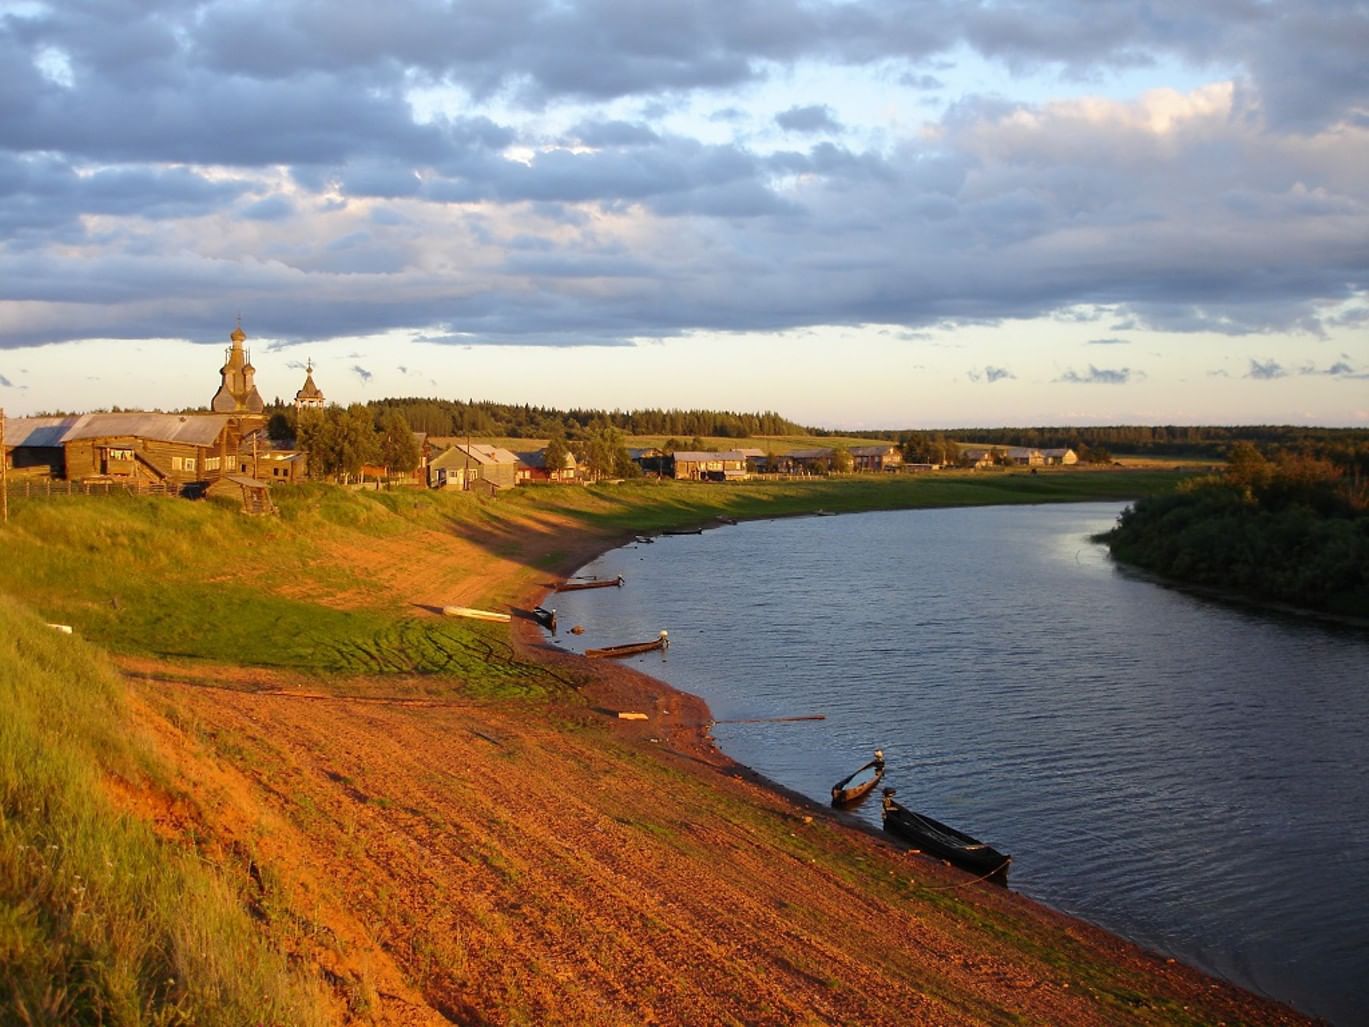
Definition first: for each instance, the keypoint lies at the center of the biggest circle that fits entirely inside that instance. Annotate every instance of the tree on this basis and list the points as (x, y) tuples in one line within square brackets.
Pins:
[(399, 452), (554, 456), (842, 461), (313, 431)]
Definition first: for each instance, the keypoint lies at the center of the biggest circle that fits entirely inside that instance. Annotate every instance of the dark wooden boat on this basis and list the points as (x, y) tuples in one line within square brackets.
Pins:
[(937, 838), (846, 794), (662, 641), (723, 518), (683, 531), (576, 586), (645, 540), (546, 618)]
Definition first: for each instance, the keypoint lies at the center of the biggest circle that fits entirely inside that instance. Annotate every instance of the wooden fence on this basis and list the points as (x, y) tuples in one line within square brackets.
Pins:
[(44, 488)]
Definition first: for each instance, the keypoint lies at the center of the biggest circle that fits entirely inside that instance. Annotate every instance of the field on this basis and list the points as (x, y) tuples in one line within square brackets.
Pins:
[(383, 816)]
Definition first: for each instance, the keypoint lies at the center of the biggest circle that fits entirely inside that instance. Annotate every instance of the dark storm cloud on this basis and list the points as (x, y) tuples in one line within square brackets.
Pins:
[(175, 124)]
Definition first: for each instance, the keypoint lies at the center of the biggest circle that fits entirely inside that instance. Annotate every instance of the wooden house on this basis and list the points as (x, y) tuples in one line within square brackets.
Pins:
[(728, 465), (876, 458), (167, 449), (461, 465), (532, 467), (34, 444), (1062, 457), (805, 461)]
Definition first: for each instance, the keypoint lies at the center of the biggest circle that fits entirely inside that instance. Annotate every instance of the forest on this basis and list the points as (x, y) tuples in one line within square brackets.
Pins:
[(1291, 529)]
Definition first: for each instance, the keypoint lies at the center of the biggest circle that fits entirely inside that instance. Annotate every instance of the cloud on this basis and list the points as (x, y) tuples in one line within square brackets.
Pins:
[(362, 373), (1108, 342), (344, 171), (1267, 371), (990, 375), (5, 382), (1099, 376), (814, 118)]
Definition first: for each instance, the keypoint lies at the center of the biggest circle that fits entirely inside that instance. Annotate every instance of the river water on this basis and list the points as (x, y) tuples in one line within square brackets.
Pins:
[(1190, 775)]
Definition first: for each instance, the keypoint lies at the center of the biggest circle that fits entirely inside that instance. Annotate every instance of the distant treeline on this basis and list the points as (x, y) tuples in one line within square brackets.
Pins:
[(1141, 440), (1294, 529), (512, 420)]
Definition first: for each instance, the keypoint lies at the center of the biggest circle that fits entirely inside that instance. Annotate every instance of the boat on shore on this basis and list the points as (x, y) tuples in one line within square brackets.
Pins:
[(946, 842), (846, 794), (661, 641), (725, 519), (468, 613), (576, 586), (546, 618), (683, 531)]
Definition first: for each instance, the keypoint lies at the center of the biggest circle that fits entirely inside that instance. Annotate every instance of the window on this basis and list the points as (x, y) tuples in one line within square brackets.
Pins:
[(121, 454), (211, 463)]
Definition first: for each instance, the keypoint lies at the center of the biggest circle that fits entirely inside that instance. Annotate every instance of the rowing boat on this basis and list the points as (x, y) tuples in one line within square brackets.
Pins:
[(846, 794), (941, 840), (576, 586), (662, 641), (472, 614)]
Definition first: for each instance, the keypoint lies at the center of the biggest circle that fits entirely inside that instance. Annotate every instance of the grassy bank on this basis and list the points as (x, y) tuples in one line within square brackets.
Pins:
[(100, 921), (334, 585)]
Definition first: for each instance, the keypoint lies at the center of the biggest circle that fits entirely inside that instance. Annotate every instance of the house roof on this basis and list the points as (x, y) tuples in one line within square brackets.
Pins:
[(695, 457), (538, 458), (872, 450), (480, 454), (36, 432), (191, 429)]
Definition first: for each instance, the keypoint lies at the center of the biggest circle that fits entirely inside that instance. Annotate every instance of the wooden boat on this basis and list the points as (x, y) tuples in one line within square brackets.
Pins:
[(846, 794), (546, 618), (472, 614), (937, 838), (576, 586), (644, 540), (724, 519), (662, 641), (683, 531)]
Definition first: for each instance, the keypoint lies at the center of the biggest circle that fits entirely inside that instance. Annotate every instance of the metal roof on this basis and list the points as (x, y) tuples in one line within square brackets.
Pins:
[(36, 432), (699, 458), (190, 429)]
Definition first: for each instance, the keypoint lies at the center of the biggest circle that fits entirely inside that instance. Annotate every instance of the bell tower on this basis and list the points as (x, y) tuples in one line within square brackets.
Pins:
[(237, 393)]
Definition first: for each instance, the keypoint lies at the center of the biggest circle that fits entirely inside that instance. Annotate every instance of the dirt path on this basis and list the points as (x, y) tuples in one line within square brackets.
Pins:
[(458, 861)]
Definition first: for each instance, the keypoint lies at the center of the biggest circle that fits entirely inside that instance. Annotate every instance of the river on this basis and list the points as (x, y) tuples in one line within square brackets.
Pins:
[(1187, 774)]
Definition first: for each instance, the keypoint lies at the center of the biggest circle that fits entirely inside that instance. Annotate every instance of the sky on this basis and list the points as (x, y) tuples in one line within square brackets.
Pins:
[(860, 214)]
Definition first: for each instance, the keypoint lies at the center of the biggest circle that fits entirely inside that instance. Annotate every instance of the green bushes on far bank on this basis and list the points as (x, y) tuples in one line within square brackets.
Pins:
[(100, 922), (1291, 531)]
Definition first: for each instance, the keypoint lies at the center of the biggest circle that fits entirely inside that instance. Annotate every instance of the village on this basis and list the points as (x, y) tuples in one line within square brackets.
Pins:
[(231, 452)]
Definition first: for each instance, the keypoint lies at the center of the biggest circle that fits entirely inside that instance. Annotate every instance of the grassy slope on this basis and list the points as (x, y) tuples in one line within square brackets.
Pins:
[(100, 922)]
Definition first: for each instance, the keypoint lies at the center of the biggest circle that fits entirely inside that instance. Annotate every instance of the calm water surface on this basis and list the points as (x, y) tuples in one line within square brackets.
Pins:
[(1189, 775)]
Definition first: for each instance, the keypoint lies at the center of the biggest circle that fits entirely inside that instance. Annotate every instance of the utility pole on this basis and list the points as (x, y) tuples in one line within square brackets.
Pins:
[(4, 474)]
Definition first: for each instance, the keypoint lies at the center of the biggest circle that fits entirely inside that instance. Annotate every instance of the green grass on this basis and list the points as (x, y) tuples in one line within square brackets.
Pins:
[(197, 581), (100, 922)]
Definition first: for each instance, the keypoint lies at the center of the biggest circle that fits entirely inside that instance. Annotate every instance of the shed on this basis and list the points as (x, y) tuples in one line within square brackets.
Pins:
[(254, 494), (727, 465)]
